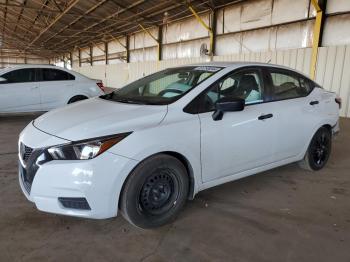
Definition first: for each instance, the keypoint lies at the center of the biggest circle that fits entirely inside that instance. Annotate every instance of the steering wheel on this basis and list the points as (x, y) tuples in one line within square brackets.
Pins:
[(170, 90)]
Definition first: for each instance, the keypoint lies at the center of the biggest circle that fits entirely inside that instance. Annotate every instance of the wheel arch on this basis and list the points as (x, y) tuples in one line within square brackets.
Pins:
[(77, 95), (324, 124), (179, 157), (188, 167), (328, 126)]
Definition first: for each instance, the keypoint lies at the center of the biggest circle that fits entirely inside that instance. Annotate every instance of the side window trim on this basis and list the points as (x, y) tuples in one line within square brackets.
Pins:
[(192, 108)]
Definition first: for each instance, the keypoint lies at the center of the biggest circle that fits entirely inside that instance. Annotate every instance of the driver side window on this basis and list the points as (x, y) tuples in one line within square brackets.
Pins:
[(245, 84)]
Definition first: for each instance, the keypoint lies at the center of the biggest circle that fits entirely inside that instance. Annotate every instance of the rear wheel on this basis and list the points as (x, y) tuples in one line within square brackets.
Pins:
[(76, 99), (319, 150), (155, 192)]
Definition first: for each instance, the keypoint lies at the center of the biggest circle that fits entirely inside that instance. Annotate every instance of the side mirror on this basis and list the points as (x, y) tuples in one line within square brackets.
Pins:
[(3, 80), (227, 104)]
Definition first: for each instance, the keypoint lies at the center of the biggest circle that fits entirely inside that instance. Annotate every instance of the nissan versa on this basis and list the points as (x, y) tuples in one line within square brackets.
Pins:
[(151, 145)]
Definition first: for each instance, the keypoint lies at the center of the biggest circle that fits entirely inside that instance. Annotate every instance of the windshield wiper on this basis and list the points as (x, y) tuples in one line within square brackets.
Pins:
[(112, 97), (116, 98), (129, 101)]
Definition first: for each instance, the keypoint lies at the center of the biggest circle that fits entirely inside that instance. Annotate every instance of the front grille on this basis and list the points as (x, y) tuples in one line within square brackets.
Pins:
[(27, 165), (22, 172), (74, 203), (27, 153)]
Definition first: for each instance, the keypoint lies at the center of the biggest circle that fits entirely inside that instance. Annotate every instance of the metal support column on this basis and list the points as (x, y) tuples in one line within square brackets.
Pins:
[(320, 6), (91, 55), (71, 59), (155, 39), (213, 28), (128, 49), (210, 31), (106, 53), (79, 57), (160, 42)]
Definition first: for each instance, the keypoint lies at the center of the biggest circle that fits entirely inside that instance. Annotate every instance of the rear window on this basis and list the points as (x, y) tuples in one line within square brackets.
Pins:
[(56, 75), (287, 84)]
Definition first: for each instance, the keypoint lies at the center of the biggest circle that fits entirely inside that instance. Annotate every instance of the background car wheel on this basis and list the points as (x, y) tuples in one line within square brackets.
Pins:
[(155, 192), (319, 150), (76, 99)]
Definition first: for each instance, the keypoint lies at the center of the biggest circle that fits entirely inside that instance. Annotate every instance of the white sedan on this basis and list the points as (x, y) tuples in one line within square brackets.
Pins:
[(148, 147), (30, 88)]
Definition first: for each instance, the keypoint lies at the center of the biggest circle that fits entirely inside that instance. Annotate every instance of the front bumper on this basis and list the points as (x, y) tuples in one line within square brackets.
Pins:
[(98, 180)]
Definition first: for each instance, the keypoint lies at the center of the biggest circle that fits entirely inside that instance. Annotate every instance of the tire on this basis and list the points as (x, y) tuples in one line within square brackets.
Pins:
[(155, 192), (319, 150), (76, 99)]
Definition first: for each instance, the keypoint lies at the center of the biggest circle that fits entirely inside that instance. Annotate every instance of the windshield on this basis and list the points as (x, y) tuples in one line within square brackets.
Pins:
[(164, 87)]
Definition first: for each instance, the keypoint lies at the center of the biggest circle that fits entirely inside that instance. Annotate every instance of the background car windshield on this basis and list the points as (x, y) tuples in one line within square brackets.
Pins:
[(163, 87)]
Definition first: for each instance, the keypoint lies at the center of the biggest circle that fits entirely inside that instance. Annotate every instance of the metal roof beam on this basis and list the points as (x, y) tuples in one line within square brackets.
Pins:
[(58, 17)]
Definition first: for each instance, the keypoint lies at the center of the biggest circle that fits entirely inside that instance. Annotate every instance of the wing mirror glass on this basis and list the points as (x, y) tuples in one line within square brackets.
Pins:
[(227, 104)]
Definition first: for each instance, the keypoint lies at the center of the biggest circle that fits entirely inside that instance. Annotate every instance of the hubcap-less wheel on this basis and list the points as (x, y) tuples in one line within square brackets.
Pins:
[(155, 191), (159, 192), (320, 149)]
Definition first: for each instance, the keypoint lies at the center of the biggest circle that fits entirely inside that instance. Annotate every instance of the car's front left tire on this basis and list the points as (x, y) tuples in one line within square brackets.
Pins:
[(155, 192)]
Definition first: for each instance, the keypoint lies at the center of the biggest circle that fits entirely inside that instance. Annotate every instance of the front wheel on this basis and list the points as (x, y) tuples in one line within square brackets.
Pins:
[(155, 192), (319, 150)]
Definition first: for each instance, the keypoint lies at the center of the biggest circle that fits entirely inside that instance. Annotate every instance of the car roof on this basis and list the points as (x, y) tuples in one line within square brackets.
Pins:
[(31, 66), (24, 66), (239, 64)]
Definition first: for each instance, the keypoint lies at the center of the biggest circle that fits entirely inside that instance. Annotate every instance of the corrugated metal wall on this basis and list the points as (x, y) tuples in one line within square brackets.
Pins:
[(333, 68), (243, 27)]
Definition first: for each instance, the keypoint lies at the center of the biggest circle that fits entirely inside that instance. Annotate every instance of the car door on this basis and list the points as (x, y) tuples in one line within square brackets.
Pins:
[(20, 92), (55, 87), (294, 107), (241, 140)]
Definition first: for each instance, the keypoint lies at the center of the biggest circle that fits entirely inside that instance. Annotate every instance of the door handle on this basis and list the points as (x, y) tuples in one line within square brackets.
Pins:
[(35, 87), (262, 117), (314, 102)]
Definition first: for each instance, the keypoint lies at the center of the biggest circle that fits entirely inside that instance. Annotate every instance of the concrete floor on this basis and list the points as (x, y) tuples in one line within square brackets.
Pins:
[(286, 214)]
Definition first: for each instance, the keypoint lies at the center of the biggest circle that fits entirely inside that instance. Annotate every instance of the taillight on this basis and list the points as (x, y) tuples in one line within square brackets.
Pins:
[(338, 101), (100, 85)]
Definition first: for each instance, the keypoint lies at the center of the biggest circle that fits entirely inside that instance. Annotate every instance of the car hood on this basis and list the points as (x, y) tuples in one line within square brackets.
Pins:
[(98, 117)]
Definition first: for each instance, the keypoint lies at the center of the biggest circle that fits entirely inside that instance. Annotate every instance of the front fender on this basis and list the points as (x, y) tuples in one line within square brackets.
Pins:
[(182, 137)]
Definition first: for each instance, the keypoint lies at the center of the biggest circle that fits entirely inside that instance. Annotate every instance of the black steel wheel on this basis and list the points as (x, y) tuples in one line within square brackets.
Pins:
[(319, 150), (155, 192), (159, 192)]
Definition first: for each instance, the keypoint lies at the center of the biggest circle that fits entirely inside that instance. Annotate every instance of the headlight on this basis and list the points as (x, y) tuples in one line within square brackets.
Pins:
[(85, 149)]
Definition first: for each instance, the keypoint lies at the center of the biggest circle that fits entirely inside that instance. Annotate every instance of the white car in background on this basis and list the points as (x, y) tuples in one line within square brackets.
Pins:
[(31, 88), (147, 147)]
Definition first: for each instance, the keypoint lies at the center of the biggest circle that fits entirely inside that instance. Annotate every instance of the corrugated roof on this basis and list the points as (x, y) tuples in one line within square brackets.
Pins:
[(51, 27)]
